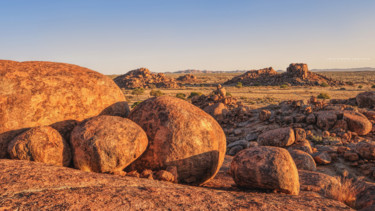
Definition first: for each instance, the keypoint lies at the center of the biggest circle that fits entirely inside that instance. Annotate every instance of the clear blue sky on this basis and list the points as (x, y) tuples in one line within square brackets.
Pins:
[(113, 36)]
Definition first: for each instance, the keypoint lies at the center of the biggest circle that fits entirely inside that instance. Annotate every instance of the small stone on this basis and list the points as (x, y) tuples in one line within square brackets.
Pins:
[(322, 158), (351, 156), (165, 176)]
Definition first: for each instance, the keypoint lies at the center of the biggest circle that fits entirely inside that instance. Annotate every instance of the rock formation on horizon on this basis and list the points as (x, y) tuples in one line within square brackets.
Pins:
[(297, 74), (143, 78)]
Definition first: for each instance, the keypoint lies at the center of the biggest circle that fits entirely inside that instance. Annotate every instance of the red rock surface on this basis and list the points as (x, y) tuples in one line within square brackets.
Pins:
[(107, 144), (37, 186), (182, 135), (43, 93), (41, 144), (270, 168)]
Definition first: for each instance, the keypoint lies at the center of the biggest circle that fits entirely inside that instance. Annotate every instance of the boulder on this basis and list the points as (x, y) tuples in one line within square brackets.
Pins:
[(300, 134), (270, 168), (366, 99), (41, 144), (303, 160), (322, 157), (326, 119), (278, 137), (366, 150), (217, 111), (264, 115), (311, 119), (182, 135), (107, 144), (318, 182), (357, 122), (365, 198), (36, 94), (303, 145)]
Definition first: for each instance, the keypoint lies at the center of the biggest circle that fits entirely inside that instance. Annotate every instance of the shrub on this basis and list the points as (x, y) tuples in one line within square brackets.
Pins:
[(156, 93), (349, 83), (239, 85), (324, 84), (342, 88), (135, 104), (138, 91), (346, 192), (284, 86), (373, 86), (192, 94), (181, 96), (360, 87), (228, 94), (324, 96), (315, 138), (257, 84)]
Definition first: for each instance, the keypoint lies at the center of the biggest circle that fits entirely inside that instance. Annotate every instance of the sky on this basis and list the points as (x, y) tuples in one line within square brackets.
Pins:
[(116, 36)]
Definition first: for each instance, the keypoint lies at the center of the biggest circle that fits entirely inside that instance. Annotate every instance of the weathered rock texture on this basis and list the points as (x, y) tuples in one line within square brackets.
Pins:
[(303, 160), (266, 168), (42, 93), (71, 189), (41, 144), (296, 75), (143, 78), (107, 144), (366, 99), (180, 135)]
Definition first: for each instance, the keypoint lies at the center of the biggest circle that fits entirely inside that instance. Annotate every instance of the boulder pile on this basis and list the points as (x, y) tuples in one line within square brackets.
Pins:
[(143, 78), (187, 79), (297, 74)]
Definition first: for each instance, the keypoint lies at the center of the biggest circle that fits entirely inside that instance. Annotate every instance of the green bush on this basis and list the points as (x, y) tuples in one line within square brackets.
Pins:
[(360, 87), (324, 96), (239, 85), (138, 91), (342, 88), (193, 94), (156, 93), (228, 94), (349, 83), (324, 84), (135, 104), (284, 86), (181, 96), (373, 86)]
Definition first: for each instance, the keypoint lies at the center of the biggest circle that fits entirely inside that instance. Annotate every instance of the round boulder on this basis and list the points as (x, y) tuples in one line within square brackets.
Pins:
[(35, 94), (182, 135), (357, 122), (269, 168), (366, 150), (326, 119), (303, 160), (41, 144), (107, 144), (280, 137), (366, 99)]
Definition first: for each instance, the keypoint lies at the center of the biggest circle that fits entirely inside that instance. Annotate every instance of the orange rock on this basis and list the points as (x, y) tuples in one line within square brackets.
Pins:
[(357, 122), (278, 137), (366, 99), (182, 135), (43, 93), (41, 144), (303, 160), (107, 144), (266, 168)]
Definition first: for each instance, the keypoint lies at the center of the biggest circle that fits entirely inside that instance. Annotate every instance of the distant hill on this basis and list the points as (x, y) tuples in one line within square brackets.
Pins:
[(192, 71), (344, 69)]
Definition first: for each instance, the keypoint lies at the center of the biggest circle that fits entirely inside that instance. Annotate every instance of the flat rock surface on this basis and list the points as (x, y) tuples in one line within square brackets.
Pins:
[(30, 185)]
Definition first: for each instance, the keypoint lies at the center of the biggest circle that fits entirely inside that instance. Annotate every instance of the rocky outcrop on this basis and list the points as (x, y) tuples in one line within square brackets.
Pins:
[(297, 74), (43, 93), (107, 144), (143, 78), (181, 135), (41, 144), (187, 79), (269, 168)]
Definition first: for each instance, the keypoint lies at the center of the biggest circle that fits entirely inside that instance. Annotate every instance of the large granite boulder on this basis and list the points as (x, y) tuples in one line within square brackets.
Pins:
[(41, 144), (43, 93), (107, 144), (366, 99), (182, 135), (267, 167), (303, 160)]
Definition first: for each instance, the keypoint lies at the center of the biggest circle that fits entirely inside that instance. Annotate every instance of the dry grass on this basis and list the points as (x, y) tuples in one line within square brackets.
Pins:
[(346, 192)]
